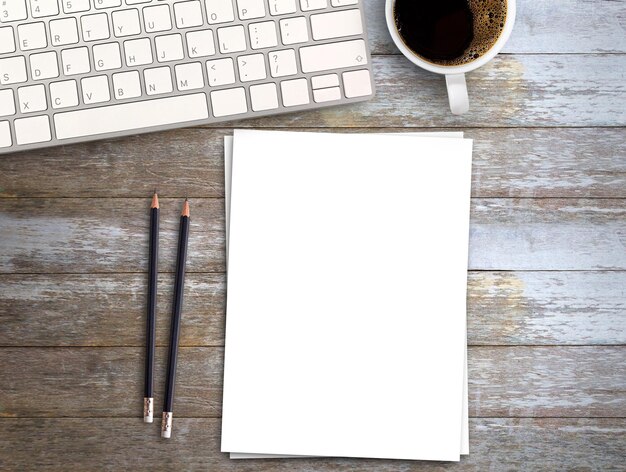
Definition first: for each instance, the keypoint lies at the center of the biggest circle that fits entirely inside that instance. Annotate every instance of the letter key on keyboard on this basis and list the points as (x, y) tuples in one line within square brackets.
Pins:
[(79, 70)]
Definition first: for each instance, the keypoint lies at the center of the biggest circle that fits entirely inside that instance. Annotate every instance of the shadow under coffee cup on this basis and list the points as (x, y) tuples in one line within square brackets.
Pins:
[(451, 37)]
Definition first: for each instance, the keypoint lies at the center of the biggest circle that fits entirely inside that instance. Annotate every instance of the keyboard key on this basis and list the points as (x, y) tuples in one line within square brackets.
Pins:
[(138, 52), (336, 24), (294, 30), (251, 67), (229, 102), (169, 48), (126, 23), (76, 6), (220, 72), (32, 36), (231, 39), (32, 130), (12, 70), (219, 11), (41, 8), (5, 134), (307, 5), (44, 65), (131, 116), (343, 3), (283, 63), (64, 94), (157, 18), (326, 94), (7, 103), (7, 41), (189, 76), (250, 9), (126, 85), (295, 92), (95, 27), (32, 98), (263, 35), (357, 83), (282, 7), (12, 10), (107, 56), (333, 56), (200, 44), (263, 97), (137, 2), (158, 80), (63, 32), (75, 61), (95, 89), (188, 14)]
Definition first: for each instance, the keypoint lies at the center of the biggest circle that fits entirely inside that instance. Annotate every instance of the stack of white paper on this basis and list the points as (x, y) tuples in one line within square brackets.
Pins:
[(347, 267)]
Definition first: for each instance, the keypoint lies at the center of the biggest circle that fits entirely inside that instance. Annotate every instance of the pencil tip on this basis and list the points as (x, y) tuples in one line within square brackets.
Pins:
[(185, 208), (155, 201)]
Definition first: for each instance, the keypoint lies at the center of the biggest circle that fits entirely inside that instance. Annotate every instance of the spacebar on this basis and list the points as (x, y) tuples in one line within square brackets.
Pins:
[(131, 116)]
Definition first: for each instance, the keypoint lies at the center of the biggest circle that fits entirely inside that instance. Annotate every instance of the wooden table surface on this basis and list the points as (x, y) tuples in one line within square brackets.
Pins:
[(547, 281)]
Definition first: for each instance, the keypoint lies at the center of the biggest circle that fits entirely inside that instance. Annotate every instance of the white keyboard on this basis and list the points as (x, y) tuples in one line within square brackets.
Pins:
[(78, 70)]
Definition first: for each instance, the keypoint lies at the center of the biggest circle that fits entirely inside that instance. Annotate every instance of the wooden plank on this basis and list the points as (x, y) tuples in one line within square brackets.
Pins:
[(128, 444), (68, 235), (106, 310), (547, 234), (514, 381), (544, 308), (504, 308), (507, 163), (575, 26), (91, 235)]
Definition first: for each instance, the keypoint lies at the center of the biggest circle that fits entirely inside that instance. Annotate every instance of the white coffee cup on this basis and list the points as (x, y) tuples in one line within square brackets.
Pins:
[(455, 75)]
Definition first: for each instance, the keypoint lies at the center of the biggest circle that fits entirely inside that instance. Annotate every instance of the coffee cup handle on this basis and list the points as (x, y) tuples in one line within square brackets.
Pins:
[(457, 93)]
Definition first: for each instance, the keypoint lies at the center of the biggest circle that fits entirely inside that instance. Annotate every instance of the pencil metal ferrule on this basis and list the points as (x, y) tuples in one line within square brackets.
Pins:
[(166, 425), (148, 409)]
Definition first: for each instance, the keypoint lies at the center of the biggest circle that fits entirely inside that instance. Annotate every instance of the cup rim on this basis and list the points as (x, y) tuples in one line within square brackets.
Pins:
[(447, 70)]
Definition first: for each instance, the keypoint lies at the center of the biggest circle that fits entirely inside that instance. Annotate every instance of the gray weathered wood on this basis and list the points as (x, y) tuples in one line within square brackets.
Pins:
[(549, 183), (542, 26), (104, 236), (506, 381), (106, 310), (513, 162), (127, 444), (504, 308)]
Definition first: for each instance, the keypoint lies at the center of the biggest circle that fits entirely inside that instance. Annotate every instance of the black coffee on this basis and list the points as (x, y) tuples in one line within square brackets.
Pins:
[(450, 32)]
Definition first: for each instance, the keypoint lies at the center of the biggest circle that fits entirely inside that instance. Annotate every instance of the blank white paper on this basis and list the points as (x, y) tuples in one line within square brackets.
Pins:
[(378, 398), (228, 159)]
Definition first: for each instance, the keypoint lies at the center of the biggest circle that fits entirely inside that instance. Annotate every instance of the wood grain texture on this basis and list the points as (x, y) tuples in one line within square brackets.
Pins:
[(127, 444), (574, 26), (588, 162), (504, 308), (510, 381), (94, 236), (549, 186)]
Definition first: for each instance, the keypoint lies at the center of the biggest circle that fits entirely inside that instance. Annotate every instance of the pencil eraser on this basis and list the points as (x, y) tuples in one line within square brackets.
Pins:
[(166, 425), (148, 408)]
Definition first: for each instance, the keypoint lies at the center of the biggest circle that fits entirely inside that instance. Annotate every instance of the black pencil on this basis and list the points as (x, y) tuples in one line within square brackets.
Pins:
[(179, 285), (148, 397)]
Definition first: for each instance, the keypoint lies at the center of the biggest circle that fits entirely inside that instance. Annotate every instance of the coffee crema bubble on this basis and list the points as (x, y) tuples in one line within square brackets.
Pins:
[(450, 32)]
